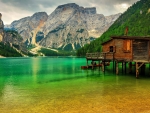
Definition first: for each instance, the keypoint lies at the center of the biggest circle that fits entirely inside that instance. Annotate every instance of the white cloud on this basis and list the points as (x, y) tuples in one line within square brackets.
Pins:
[(10, 13), (16, 9), (121, 7)]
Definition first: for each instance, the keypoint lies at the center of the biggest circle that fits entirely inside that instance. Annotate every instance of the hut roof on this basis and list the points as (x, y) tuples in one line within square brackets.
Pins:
[(131, 37), (107, 41), (127, 37)]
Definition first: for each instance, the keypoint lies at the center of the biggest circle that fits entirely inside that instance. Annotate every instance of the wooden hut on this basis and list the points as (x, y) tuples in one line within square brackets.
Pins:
[(136, 49), (126, 49)]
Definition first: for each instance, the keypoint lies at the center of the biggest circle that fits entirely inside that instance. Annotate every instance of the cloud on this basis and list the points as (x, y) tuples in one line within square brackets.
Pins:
[(108, 7), (16, 9)]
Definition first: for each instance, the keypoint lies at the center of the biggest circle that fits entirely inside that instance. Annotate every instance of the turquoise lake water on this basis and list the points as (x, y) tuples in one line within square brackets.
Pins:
[(58, 85)]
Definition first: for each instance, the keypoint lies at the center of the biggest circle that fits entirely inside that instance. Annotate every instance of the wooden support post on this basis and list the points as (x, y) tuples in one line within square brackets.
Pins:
[(130, 67), (103, 66), (125, 67), (137, 70), (87, 62), (122, 67), (113, 64), (143, 69), (138, 66), (99, 65), (104, 63), (92, 64), (117, 68)]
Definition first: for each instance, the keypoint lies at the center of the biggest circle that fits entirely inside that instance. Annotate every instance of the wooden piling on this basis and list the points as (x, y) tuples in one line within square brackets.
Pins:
[(130, 67), (87, 63), (103, 66), (92, 64), (99, 64), (117, 68), (125, 67), (137, 70), (113, 66), (143, 69), (122, 67), (113, 63)]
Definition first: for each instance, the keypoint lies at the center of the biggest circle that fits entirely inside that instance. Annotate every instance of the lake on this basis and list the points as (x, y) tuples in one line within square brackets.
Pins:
[(58, 85)]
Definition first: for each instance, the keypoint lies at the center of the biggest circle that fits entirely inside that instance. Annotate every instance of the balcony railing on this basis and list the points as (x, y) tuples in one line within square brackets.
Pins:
[(100, 55)]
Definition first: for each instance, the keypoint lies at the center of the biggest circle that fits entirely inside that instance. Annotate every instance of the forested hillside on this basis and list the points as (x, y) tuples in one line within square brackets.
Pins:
[(136, 18), (7, 51), (12, 45)]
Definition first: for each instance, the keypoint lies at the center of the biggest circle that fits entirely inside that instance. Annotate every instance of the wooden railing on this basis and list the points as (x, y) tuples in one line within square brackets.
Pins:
[(97, 55), (100, 55)]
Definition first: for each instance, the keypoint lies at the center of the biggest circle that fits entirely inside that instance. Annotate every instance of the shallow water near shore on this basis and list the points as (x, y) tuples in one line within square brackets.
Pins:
[(58, 85)]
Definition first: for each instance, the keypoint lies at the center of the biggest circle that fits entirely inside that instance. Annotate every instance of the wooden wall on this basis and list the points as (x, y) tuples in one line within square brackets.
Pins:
[(140, 50), (122, 48), (106, 48)]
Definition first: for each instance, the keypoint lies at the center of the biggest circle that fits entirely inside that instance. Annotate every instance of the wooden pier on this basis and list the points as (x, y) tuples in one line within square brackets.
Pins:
[(123, 49), (101, 57)]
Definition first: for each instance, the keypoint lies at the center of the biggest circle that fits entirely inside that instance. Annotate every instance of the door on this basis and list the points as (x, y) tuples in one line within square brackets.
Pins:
[(140, 50)]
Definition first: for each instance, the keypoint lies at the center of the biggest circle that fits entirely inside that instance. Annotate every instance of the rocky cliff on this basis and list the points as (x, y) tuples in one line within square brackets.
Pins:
[(68, 26), (1, 28), (28, 27)]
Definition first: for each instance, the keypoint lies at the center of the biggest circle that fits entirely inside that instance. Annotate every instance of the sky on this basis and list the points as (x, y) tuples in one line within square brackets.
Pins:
[(16, 9)]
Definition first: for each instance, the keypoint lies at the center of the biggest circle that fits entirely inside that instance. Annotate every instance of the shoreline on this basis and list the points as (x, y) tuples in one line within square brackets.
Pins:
[(2, 56)]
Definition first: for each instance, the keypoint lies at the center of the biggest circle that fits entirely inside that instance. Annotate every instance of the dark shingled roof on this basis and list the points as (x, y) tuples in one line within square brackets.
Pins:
[(107, 41), (131, 37), (128, 37)]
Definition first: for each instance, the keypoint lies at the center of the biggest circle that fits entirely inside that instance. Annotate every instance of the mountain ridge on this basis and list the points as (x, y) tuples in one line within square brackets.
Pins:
[(68, 26)]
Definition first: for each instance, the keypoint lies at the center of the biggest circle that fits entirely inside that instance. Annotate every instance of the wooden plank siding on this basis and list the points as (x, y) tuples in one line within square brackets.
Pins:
[(106, 49), (121, 47), (140, 50)]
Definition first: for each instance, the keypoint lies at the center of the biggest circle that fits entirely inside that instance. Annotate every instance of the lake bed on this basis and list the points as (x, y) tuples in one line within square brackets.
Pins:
[(58, 85)]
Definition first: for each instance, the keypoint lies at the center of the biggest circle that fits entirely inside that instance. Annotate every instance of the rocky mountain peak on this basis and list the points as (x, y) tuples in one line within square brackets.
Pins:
[(69, 5), (29, 26), (39, 15), (91, 10), (68, 27)]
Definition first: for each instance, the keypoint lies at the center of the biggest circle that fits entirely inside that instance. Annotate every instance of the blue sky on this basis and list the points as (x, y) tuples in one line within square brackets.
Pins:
[(16, 9)]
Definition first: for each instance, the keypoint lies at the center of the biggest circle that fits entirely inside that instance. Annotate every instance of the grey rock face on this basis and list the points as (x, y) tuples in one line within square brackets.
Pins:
[(68, 25), (28, 27), (1, 28)]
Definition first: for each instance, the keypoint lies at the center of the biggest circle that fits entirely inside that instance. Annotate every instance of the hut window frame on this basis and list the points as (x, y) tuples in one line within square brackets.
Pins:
[(111, 48), (127, 46)]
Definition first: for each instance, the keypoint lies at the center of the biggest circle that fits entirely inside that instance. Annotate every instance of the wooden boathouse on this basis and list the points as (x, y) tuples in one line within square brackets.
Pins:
[(124, 49)]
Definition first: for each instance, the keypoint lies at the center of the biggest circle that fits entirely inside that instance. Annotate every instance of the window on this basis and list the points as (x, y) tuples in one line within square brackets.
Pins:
[(111, 49), (127, 45)]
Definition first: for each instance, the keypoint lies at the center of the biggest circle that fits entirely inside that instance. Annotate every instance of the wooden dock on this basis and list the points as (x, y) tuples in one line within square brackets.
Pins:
[(101, 57)]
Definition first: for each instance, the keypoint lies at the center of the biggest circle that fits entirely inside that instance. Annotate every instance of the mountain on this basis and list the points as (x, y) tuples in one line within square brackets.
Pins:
[(68, 27), (29, 26), (136, 19), (1, 28), (7, 42)]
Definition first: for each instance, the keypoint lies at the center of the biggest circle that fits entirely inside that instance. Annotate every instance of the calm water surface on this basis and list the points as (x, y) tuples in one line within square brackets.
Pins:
[(58, 85)]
